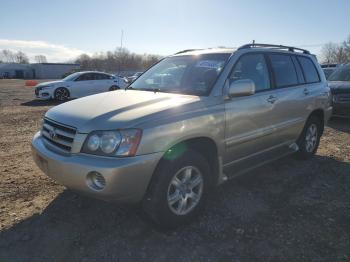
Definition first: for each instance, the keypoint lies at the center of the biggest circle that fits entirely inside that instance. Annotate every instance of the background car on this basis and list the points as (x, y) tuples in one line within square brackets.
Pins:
[(78, 85), (339, 82), (328, 69), (132, 78)]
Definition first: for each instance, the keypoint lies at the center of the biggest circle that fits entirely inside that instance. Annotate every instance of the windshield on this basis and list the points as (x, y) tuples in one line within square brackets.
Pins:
[(341, 74), (194, 75), (71, 77), (328, 71)]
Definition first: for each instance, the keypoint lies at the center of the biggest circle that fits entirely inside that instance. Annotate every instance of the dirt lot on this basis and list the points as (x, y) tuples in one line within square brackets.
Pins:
[(289, 210)]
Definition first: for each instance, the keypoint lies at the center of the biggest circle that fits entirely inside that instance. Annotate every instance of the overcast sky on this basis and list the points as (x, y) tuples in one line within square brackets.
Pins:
[(63, 29)]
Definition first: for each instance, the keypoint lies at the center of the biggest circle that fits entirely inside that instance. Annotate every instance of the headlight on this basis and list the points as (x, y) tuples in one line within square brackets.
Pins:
[(334, 98), (112, 143), (44, 87)]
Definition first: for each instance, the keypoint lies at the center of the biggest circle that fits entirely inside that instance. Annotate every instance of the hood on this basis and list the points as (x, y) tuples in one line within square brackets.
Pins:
[(339, 87), (50, 83), (118, 109)]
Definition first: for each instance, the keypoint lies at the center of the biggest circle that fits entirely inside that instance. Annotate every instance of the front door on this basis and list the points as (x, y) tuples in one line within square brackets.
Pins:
[(83, 85), (249, 119)]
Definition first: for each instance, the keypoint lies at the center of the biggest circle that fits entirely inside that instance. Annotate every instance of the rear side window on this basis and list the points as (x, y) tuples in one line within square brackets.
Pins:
[(309, 69), (284, 70), (102, 77), (299, 70)]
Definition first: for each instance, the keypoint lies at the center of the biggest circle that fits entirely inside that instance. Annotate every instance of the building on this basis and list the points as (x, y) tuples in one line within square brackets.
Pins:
[(16, 71), (37, 71)]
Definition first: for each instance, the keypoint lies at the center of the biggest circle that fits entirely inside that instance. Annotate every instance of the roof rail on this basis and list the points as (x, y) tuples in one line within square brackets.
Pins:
[(186, 50), (289, 48)]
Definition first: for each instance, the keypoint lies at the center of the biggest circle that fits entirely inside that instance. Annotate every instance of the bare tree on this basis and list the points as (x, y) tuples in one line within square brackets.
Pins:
[(21, 58), (328, 52), (336, 53), (8, 56), (40, 59)]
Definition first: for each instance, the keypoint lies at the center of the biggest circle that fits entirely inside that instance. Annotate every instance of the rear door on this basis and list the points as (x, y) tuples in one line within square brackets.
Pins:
[(296, 80), (250, 119), (290, 104), (102, 83)]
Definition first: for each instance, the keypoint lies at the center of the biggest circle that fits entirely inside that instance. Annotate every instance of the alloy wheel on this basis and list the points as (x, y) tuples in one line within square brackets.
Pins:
[(311, 138), (185, 190)]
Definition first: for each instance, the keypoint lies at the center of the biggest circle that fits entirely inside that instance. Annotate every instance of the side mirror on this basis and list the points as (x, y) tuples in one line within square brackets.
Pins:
[(243, 87), (126, 80)]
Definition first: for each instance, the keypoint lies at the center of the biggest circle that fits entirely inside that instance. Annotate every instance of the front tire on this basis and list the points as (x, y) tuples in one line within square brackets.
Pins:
[(61, 94), (178, 190), (310, 138)]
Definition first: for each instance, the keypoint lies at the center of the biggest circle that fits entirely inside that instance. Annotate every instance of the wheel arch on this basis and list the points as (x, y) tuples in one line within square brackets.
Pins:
[(68, 89), (319, 113), (204, 145)]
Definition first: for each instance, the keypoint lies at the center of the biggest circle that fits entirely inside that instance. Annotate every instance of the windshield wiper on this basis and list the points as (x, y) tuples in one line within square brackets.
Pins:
[(155, 90), (128, 87)]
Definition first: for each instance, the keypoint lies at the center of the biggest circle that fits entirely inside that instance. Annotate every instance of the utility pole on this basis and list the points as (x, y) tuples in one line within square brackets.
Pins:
[(120, 51), (121, 39)]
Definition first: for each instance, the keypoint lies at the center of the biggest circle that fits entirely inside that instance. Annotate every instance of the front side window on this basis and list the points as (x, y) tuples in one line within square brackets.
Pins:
[(188, 74), (86, 77), (71, 77), (309, 69), (253, 67), (284, 70)]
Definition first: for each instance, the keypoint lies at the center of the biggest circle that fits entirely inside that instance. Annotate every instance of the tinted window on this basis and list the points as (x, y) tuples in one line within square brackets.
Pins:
[(86, 77), (309, 69), (253, 67), (299, 71), (102, 76), (284, 71)]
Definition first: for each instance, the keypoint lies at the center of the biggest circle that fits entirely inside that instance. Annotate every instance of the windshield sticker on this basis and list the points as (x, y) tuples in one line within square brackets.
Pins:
[(209, 64)]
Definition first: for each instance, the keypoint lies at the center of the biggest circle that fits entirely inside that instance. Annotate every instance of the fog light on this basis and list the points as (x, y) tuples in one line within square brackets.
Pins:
[(95, 180)]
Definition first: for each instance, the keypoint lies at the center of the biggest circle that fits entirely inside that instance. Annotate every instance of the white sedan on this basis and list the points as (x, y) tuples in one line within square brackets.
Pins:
[(78, 85)]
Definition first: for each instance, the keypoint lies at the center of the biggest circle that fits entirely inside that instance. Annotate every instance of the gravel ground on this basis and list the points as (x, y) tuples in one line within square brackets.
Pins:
[(289, 210)]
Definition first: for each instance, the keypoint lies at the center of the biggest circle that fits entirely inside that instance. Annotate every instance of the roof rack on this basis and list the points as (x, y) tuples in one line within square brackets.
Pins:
[(289, 48)]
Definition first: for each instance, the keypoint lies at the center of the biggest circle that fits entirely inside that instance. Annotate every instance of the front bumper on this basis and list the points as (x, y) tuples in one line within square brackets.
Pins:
[(341, 104), (341, 109), (44, 94), (127, 179)]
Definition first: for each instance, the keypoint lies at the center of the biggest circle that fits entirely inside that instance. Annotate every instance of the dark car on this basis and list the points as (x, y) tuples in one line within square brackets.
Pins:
[(339, 82)]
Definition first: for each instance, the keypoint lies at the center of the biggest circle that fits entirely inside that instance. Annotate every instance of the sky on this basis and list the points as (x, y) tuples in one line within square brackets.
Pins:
[(63, 29)]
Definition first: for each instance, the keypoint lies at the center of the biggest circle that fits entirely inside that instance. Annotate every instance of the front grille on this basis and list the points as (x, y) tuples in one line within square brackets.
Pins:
[(343, 98), (58, 135), (37, 91)]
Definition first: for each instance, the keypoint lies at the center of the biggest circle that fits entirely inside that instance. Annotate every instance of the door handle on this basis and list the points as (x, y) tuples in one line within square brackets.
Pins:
[(306, 91), (272, 99)]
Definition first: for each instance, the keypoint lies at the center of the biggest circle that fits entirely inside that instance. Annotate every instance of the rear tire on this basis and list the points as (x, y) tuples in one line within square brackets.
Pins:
[(61, 94), (310, 138), (178, 190)]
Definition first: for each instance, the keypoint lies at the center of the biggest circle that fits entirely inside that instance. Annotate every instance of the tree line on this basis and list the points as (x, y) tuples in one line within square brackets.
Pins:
[(111, 61), (336, 53), (8, 56), (116, 61)]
